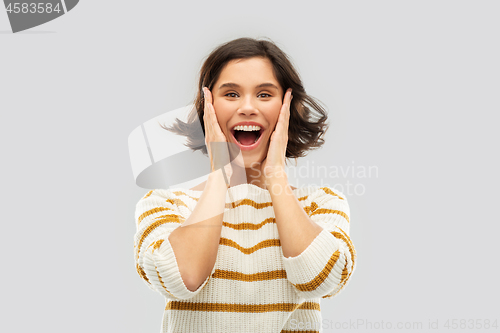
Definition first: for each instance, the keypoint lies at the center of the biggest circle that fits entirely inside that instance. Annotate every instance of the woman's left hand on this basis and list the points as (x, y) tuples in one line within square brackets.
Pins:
[(273, 166)]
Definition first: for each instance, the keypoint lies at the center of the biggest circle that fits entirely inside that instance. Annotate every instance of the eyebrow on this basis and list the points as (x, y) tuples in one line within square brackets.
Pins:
[(234, 85)]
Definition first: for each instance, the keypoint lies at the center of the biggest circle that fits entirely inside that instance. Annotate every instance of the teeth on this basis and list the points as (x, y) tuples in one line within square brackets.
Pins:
[(246, 128)]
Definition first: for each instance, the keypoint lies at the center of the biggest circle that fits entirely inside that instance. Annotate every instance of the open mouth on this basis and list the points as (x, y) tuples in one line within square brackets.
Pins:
[(247, 135)]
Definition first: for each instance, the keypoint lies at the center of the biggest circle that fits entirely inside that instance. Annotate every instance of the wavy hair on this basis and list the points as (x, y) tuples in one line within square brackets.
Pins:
[(307, 118)]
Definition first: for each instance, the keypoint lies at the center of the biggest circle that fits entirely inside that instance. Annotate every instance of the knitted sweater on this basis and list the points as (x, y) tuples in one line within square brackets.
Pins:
[(252, 287)]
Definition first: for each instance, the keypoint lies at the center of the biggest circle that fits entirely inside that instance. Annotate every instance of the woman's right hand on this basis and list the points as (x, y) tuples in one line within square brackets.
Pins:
[(215, 139)]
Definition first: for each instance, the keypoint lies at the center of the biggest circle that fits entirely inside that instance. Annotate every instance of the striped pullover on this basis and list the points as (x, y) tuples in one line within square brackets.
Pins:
[(252, 287)]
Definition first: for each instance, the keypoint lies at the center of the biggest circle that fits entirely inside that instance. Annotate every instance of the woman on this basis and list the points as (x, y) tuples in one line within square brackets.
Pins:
[(244, 251)]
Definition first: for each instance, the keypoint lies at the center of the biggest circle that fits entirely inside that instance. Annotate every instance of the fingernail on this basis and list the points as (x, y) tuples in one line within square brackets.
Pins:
[(203, 91)]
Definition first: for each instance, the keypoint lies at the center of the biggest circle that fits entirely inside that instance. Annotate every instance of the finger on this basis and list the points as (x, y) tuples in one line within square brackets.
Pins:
[(285, 106), (209, 110), (206, 117), (216, 131), (205, 97), (289, 103), (213, 119), (208, 95), (209, 107), (281, 129), (287, 99), (287, 109), (279, 125), (288, 96), (207, 120), (205, 114), (215, 122), (282, 119)]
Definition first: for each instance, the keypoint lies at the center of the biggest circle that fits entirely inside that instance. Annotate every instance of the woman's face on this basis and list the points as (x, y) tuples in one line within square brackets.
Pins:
[(247, 93)]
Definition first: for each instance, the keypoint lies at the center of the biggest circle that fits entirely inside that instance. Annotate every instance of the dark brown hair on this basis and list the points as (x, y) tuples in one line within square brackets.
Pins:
[(307, 118)]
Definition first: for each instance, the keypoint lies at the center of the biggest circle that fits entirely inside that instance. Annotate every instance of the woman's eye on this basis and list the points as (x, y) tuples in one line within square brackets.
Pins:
[(234, 95)]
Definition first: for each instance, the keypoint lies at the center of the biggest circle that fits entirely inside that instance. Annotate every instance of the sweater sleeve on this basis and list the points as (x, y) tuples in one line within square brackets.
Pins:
[(157, 214), (326, 265)]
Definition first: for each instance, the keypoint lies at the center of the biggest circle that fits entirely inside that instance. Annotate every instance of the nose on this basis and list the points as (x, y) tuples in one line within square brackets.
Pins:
[(247, 107)]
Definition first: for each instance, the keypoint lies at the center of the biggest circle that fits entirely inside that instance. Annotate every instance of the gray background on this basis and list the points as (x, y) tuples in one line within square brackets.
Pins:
[(411, 88)]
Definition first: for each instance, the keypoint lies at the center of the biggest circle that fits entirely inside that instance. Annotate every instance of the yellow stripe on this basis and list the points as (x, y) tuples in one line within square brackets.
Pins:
[(341, 284), (348, 242), (310, 306), (148, 230), (330, 211), (303, 198), (187, 195), (164, 216), (142, 274), (232, 307), (249, 250), (157, 244), (321, 277), (161, 281), (148, 194), (150, 212), (311, 208), (261, 276), (345, 274), (249, 226), (176, 202), (328, 191), (308, 331), (249, 202), (242, 202), (152, 226)]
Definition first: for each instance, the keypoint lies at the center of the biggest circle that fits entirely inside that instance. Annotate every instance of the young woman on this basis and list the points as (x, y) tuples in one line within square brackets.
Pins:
[(245, 251)]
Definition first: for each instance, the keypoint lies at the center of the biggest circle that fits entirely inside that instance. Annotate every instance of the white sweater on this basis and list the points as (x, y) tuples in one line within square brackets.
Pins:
[(252, 287)]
